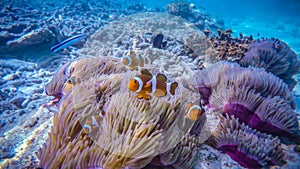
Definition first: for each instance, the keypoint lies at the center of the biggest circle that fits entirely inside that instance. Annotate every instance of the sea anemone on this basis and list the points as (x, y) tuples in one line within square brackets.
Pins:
[(84, 69), (274, 56), (130, 132), (250, 148), (259, 99)]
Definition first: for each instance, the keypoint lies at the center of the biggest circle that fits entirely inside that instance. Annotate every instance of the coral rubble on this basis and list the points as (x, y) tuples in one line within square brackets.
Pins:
[(34, 26)]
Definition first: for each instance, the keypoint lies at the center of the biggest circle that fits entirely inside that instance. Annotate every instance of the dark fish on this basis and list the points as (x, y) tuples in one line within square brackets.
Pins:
[(68, 42), (158, 41), (276, 44)]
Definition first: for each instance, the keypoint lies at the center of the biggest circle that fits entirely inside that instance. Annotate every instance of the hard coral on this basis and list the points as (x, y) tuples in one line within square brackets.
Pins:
[(180, 8), (230, 48), (274, 56), (131, 131)]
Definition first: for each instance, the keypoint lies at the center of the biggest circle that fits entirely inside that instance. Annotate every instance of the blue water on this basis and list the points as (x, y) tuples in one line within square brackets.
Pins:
[(268, 18)]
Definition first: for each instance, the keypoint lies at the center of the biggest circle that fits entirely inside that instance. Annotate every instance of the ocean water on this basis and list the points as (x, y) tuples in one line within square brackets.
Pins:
[(39, 37), (268, 18)]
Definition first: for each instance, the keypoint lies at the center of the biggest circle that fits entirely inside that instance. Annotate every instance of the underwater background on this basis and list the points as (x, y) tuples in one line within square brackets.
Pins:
[(226, 77)]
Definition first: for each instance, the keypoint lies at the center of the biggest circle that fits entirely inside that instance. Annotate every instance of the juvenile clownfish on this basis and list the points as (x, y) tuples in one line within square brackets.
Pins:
[(92, 124), (146, 84), (194, 111), (133, 61), (276, 44), (70, 82)]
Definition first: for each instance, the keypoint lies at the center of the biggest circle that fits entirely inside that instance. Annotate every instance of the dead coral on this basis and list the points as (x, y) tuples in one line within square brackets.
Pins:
[(198, 45)]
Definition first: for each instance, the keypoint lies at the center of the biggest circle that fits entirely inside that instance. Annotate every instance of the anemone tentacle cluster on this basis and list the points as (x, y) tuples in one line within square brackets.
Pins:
[(249, 100), (238, 140), (130, 132), (274, 56)]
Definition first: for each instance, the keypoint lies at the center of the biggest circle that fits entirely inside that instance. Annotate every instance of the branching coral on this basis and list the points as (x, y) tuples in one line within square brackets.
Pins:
[(130, 132), (230, 48), (274, 56)]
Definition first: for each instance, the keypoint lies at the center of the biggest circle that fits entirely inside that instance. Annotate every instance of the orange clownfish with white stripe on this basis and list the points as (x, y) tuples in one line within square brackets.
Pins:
[(146, 84), (133, 61), (70, 83), (194, 111), (92, 124)]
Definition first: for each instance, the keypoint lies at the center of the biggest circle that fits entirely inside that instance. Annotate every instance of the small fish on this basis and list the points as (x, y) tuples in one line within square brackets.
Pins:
[(70, 83), (92, 124), (277, 44), (206, 32), (68, 42), (146, 84), (228, 31), (194, 111), (158, 41), (241, 35), (133, 61)]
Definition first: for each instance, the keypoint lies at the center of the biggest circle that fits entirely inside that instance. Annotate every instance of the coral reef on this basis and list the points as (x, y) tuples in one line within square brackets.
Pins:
[(274, 56), (180, 8), (24, 122), (131, 131), (32, 31), (157, 135), (230, 48), (23, 82), (118, 37), (198, 16)]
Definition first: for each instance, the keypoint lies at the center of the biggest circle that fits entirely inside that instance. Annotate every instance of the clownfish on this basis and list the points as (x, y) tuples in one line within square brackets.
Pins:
[(146, 84), (276, 44), (194, 111), (91, 124), (133, 61), (70, 82)]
